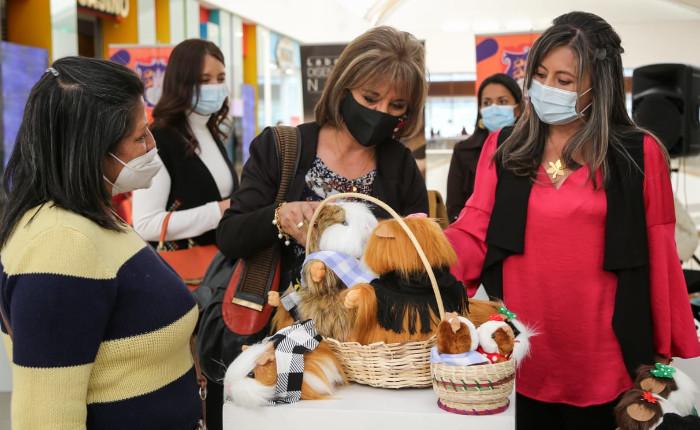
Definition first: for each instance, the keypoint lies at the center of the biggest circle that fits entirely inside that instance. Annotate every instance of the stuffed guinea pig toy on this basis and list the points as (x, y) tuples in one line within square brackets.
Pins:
[(400, 304), (662, 398), (670, 383), (343, 227), (456, 342), (496, 339), (335, 247), (269, 372), (456, 335), (644, 410)]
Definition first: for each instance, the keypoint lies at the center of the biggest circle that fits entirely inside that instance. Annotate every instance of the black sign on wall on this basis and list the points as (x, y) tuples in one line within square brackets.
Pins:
[(317, 61)]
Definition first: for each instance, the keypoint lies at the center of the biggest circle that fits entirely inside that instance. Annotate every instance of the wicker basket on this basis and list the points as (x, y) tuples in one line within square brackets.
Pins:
[(386, 365), (474, 390)]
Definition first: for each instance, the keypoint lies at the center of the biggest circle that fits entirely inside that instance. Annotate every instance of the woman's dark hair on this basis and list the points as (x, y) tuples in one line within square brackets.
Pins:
[(481, 132), (182, 82), (76, 113), (597, 49)]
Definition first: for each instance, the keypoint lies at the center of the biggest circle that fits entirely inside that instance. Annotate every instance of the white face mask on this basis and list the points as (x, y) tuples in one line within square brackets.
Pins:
[(554, 105), (211, 98), (137, 173)]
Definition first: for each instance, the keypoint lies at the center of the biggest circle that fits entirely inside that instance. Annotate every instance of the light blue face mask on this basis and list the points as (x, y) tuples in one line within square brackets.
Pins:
[(554, 105), (495, 117), (211, 98)]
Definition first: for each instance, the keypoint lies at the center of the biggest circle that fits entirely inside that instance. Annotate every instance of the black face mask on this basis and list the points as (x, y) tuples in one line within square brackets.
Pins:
[(369, 127)]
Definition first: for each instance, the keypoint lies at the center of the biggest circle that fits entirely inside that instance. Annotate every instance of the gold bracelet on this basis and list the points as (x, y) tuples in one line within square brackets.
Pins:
[(278, 223)]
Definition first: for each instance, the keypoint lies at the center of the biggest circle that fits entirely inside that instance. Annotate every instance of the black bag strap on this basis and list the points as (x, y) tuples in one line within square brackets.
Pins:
[(260, 268)]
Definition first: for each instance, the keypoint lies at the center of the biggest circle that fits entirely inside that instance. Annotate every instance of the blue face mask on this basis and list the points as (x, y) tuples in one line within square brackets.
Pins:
[(495, 117), (554, 105), (211, 98)]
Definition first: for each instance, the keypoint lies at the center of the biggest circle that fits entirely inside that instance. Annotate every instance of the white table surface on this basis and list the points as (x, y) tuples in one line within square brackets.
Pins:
[(360, 407)]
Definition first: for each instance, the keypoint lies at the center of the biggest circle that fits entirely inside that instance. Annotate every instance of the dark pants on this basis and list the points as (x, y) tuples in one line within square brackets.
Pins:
[(215, 405), (535, 415)]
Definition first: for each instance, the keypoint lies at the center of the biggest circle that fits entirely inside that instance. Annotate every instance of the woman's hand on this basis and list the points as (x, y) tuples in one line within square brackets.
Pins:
[(294, 218), (224, 204), (658, 358)]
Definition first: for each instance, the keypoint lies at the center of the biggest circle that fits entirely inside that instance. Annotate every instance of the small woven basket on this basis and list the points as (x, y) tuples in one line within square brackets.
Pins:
[(474, 390), (386, 365)]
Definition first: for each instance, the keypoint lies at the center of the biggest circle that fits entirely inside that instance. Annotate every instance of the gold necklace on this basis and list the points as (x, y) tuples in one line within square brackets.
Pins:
[(353, 182), (556, 169)]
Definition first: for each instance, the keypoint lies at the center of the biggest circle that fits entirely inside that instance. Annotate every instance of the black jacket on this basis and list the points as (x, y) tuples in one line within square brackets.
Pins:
[(246, 226), (191, 183), (462, 173)]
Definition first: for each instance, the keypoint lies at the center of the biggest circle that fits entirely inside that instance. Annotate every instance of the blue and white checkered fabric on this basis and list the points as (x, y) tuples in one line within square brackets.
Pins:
[(350, 270)]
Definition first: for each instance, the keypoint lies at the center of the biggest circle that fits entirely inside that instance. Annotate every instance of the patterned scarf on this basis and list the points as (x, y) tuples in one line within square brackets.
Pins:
[(290, 345)]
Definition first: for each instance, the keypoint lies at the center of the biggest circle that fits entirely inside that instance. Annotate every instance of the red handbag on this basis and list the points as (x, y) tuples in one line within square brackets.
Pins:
[(242, 310), (245, 309), (190, 263)]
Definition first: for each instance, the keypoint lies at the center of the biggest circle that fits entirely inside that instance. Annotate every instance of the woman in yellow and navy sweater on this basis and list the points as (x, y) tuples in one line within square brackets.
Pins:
[(99, 325)]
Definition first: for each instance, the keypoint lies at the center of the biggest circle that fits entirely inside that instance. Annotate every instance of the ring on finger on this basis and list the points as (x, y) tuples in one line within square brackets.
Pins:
[(300, 224)]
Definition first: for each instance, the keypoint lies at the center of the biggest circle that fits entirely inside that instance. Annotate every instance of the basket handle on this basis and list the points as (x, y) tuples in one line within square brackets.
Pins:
[(399, 219)]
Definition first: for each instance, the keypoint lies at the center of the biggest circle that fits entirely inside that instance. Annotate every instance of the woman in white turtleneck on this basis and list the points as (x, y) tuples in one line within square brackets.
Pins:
[(197, 178)]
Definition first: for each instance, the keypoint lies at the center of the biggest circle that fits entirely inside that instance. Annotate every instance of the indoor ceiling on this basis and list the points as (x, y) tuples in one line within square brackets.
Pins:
[(478, 16), (317, 21), (448, 27)]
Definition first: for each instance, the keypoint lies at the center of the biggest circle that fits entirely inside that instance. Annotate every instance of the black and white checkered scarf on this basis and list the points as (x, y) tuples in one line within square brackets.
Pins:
[(290, 345)]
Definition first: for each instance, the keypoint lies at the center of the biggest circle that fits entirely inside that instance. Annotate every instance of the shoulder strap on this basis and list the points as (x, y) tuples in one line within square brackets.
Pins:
[(260, 268), (163, 230), (288, 142)]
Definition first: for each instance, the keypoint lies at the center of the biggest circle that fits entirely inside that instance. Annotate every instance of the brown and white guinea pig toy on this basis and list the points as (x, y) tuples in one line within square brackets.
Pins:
[(400, 304), (496, 339), (344, 227), (521, 332), (457, 342), (335, 247), (670, 383), (294, 364), (644, 410), (456, 335)]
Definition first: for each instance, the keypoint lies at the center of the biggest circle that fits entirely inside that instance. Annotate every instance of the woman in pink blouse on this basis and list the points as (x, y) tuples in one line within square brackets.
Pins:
[(572, 224)]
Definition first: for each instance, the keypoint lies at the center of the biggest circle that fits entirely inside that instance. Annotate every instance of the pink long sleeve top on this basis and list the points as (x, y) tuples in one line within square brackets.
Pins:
[(558, 285)]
